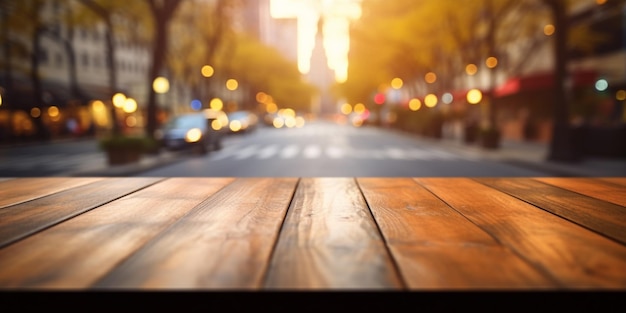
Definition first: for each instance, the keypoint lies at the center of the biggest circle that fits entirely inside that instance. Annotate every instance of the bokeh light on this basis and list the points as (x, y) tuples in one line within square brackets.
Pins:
[(346, 108), (130, 105), (118, 100), (548, 30), (471, 69), (430, 77), (396, 83), (35, 112), (491, 62), (216, 104), (207, 71), (232, 84), (620, 95), (161, 85), (196, 104), (359, 108), (602, 84), (474, 96), (430, 100), (415, 104)]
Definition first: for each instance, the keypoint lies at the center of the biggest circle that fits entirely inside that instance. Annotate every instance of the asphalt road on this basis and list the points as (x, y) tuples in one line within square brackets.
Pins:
[(326, 149)]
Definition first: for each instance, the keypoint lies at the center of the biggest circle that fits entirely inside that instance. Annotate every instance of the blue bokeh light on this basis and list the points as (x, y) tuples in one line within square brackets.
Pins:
[(196, 104)]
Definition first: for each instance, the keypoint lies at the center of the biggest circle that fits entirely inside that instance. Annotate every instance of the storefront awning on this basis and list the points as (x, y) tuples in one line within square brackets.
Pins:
[(542, 81)]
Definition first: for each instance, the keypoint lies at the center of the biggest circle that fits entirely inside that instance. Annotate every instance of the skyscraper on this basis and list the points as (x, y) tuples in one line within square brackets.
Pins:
[(321, 75)]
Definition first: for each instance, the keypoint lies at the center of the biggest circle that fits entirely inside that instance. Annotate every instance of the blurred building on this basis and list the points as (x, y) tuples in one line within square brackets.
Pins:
[(72, 67), (524, 82), (321, 76)]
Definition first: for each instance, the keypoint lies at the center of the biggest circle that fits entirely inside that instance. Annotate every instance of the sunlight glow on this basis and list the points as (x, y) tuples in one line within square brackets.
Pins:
[(337, 14)]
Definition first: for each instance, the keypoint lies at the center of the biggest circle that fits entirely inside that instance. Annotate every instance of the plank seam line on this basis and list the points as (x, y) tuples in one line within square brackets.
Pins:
[(69, 217), (46, 195), (396, 266), (264, 278), (537, 267), (611, 238), (158, 235)]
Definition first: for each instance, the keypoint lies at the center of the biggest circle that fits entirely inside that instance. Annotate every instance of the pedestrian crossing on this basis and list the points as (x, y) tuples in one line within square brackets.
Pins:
[(329, 151)]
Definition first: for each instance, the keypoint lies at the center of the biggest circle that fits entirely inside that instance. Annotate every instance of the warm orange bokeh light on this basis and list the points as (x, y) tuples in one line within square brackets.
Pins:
[(430, 77), (471, 69)]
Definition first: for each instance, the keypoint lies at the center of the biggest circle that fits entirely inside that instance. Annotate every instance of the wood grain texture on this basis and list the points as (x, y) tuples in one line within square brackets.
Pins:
[(595, 188), (614, 180), (573, 256), (223, 243), (603, 217), (329, 240), (24, 189), (80, 251), (436, 247), (24, 219)]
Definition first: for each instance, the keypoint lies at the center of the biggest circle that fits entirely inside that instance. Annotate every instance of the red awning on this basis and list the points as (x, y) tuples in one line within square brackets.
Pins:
[(543, 80)]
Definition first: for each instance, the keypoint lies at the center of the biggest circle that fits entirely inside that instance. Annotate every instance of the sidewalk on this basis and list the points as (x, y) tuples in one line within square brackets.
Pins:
[(534, 156), (100, 167)]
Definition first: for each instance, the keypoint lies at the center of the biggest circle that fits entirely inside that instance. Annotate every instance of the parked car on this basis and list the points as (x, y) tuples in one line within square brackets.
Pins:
[(242, 121), (191, 131)]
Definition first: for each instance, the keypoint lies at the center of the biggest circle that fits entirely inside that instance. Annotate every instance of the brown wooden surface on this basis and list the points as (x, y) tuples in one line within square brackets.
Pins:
[(436, 246), (330, 240), (227, 233)]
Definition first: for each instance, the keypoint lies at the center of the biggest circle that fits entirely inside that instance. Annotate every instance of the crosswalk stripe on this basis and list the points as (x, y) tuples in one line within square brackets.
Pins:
[(267, 152), (246, 152), (289, 152), (335, 152), (312, 151)]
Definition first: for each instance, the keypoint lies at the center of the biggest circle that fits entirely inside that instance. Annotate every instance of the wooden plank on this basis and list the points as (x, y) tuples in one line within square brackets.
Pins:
[(436, 247), (329, 240), (572, 255), (78, 252), (591, 187), (603, 217), (24, 219), (19, 190), (223, 243), (614, 180)]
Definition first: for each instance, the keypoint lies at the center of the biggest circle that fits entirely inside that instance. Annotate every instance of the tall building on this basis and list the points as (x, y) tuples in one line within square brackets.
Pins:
[(321, 76), (280, 33)]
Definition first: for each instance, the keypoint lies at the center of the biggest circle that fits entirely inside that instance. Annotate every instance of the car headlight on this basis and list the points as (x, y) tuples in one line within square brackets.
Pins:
[(193, 135)]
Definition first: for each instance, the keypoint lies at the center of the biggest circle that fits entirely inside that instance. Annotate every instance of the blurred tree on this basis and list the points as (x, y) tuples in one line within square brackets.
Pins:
[(105, 10), (408, 38), (204, 28), (263, 68), (162, 13), (561, 145)]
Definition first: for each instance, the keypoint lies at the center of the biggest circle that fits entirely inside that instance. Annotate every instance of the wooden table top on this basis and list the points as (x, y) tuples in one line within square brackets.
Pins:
[(313, 233)]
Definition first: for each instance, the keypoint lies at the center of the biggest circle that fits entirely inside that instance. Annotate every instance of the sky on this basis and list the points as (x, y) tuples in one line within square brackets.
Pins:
[(337, 15)]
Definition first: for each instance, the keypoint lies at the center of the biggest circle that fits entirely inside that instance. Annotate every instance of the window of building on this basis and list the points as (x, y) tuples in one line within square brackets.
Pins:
[(58, 59), (43, 56), (85, 59)]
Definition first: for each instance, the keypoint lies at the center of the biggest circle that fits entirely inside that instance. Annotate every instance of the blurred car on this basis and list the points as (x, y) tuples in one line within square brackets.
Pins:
[(191, 131), (242, 121)]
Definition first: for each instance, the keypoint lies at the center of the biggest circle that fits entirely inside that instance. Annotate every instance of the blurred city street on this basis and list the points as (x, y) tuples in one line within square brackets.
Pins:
[(320, 148)]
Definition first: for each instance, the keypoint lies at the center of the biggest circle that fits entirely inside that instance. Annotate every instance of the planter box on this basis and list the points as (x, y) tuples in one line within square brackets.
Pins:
[(123, 156)]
